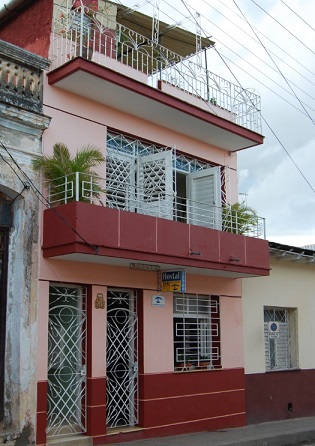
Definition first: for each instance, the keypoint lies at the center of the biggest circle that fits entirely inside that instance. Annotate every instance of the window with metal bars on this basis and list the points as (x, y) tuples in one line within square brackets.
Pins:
[(196, 332), (281, 344)]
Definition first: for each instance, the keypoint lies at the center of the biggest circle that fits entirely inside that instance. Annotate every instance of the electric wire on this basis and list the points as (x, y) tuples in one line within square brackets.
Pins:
[(279, 23), (246, 61), (279, 141), (208, 104), (301, 18), (284, 78), (261, 33), (252, 38), (255, 68), (265, 121)]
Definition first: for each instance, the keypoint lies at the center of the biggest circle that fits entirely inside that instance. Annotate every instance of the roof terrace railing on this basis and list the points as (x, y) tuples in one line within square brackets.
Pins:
[(83, 32), (87, 188)]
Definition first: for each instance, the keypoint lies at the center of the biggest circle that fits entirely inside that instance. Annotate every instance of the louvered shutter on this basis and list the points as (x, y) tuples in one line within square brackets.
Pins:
[(204, 198)]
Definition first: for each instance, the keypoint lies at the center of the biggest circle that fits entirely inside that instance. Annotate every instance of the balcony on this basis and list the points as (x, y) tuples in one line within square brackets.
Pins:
[(82, 35), (167, 230)]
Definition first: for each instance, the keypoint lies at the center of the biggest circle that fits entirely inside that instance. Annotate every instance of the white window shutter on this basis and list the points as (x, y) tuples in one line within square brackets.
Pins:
[(204, 198), (120, 180), (155, 185)]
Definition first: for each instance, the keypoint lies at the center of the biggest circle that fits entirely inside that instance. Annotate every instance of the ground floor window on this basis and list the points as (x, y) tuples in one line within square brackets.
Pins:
[(281, 344), (196, 332)]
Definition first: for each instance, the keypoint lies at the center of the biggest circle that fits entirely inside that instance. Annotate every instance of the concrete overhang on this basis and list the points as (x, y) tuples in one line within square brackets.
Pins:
[(104, 85)]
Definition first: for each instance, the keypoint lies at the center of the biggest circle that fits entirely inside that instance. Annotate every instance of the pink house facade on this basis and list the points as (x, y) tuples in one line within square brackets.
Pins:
[(140, 330)]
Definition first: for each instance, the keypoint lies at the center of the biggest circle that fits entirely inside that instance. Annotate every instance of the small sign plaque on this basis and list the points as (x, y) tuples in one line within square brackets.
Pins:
[(99, 302), (158, 300), (174, 281)]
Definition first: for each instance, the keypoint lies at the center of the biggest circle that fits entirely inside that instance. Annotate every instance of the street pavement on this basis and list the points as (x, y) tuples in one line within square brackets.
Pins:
[(294, 431)]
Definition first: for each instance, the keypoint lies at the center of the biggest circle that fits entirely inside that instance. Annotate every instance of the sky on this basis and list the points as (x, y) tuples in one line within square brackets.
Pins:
[(267, 46)]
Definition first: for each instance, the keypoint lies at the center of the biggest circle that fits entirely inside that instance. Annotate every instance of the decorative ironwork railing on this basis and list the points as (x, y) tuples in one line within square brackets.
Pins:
[(83, 32), (84, 187)]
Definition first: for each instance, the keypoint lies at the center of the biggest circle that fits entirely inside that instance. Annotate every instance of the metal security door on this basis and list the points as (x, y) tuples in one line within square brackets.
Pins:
[(66, 361), (121, 356)]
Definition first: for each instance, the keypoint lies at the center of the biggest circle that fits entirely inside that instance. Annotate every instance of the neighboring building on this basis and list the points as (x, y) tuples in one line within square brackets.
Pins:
[(21, 126), (122, 353), (278, 314)]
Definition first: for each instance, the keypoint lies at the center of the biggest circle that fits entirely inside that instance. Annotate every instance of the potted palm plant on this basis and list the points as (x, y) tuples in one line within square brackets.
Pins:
[(66, 175), (239, 218)]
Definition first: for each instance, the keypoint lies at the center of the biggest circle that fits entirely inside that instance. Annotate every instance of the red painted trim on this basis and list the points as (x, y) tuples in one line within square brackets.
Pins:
[(236, 420), (280, 395), (41, 416), (89, 304), (96, 391), (97, 421), (155, 258), (175, 398), (123, 81), (152, 239)]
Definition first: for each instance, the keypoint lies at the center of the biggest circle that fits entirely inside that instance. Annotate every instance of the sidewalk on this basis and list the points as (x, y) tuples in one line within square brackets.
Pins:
[(295, 431)]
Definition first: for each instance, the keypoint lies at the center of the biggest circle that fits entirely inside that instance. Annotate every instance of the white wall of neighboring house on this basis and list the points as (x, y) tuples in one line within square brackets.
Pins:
[(276, 392), (290, 285)]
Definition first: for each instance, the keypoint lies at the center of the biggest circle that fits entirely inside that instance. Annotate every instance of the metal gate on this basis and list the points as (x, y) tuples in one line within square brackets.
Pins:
[(66, 361), (121, 356)]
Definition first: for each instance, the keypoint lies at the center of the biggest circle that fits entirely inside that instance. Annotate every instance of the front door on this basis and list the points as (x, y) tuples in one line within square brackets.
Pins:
[(66, 412), (121, 358)]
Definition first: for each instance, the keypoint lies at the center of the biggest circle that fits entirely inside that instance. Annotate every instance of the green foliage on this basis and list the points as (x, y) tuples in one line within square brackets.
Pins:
[(61, 167), (239, 218)]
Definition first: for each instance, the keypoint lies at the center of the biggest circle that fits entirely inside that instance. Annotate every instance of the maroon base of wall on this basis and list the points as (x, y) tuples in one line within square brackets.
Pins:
[(41, 412), (196, 426), (169, 404), (178, 403), (280, 395)]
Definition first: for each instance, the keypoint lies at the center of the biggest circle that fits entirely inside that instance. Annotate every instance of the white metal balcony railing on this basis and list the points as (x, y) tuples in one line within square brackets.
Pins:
[(84, 187), (82, 32)]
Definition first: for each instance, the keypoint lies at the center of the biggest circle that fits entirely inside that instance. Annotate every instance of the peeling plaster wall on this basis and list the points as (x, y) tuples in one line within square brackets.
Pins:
[(21, 133)]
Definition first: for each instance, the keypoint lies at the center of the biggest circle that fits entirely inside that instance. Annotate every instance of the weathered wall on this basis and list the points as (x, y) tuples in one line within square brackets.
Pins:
[(30, 27), (21, 135), (21, 129)]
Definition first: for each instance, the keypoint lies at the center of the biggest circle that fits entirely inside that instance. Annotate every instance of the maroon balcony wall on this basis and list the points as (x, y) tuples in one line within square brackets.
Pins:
[(89, 229)]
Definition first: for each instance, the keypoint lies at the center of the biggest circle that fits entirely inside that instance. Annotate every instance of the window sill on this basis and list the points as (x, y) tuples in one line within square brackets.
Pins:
[(200, 369), (294, 369)]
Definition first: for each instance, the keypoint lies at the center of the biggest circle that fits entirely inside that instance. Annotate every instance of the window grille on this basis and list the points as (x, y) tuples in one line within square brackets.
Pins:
[(196, 332), (154, 180), (281, 347)]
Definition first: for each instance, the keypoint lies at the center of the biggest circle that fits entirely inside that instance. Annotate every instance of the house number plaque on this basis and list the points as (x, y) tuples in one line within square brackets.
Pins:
[(99, 301)]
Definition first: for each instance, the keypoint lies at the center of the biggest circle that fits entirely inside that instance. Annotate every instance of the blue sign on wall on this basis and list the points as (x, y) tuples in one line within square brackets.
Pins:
[(174, 281)]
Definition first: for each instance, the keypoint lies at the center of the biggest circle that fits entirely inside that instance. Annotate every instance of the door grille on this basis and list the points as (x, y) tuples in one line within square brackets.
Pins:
[(121, 355), (66, 361)]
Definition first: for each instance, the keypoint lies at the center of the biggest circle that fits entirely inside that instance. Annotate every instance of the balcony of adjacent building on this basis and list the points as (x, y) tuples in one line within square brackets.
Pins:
[(161, 208), (104, 53)]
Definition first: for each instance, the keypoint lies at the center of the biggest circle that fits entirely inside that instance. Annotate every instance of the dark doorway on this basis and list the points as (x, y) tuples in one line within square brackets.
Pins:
[(4, 239)]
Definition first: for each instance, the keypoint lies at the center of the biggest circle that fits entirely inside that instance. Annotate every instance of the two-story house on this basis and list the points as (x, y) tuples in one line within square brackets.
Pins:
[(140, 328)]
